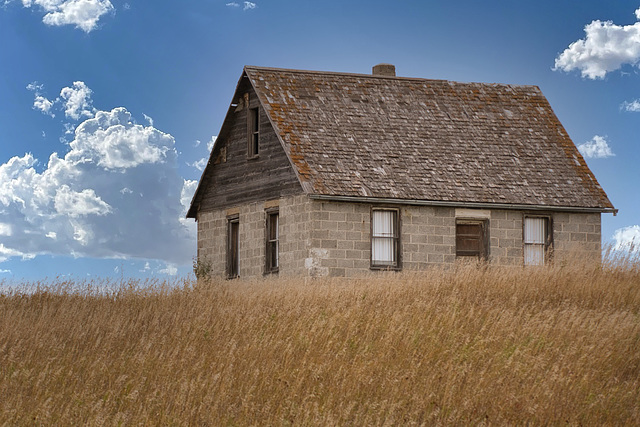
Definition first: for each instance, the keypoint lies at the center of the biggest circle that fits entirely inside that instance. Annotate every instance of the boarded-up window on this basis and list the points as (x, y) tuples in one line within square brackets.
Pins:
[(385, 236), (272, 240), (537, 238), (233, 244), (253, 132), (472, 238)]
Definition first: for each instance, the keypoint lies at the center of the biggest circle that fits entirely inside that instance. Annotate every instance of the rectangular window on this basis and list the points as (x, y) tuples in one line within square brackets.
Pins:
[(272, 242), (385, 239), (472, 238), (233, 245), (537, 240), (253, 132)]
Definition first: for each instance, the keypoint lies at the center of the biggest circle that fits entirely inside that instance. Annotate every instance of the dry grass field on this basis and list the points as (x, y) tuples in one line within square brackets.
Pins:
[(485, 345)]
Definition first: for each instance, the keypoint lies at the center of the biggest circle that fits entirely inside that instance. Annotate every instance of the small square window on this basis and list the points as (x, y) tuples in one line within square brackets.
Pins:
[(472, 238)]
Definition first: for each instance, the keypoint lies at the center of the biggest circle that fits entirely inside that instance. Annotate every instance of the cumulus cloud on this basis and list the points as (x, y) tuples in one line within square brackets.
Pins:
[(84, 14), (77, 101), (627, 239), (115, 193), (43, 104), (606, 47), (597, 148), (233, 4), (633, 106)]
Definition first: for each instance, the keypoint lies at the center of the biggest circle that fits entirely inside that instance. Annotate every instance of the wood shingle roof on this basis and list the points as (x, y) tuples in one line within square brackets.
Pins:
[(358, 135)]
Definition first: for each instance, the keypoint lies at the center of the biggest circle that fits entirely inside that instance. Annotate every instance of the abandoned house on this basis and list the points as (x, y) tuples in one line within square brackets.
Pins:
[(336, 174)]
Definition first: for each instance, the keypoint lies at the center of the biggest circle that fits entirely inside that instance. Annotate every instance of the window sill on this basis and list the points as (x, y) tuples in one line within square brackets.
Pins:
[(385, 268)]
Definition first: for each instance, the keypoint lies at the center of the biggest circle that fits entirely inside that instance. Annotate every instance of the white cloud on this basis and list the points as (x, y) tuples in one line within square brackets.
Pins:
[(233, 4), (169, 269), (5, 271), (633, 106), (627, 239), (249, 5), (79, 203), (200, 164), (77, 101), (114, 141), (76, 203), (597, 148), (5, 229), (211, 142), (606, 47), (84, 14), (148, 119), (43, 104), (6, 253)]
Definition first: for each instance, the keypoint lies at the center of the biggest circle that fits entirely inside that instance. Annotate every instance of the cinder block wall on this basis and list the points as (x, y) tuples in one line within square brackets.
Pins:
[(323, 238), (577, 234)]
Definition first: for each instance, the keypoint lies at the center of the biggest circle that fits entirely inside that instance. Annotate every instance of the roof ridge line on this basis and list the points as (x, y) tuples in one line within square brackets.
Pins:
[(341, 73)]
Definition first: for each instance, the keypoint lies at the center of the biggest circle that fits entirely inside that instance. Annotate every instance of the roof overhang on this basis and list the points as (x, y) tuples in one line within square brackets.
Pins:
[(453, 204)]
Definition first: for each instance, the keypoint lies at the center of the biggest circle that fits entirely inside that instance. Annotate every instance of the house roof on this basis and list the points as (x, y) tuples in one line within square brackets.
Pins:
[(355, 135)]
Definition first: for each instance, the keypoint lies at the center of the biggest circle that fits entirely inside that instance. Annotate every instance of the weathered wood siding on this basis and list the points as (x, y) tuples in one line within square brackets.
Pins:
[(236, 179)]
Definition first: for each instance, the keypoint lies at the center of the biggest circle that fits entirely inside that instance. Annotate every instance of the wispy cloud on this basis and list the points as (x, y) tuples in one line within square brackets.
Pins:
[(606, 48), (597, 148), (633, 106), (84, 14), (247, 5)]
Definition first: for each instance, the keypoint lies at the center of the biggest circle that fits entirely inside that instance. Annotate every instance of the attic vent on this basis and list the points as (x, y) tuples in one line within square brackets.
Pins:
[(388, 70)]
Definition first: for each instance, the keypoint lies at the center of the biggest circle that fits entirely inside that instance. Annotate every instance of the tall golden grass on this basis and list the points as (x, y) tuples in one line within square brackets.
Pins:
[(479, 345)]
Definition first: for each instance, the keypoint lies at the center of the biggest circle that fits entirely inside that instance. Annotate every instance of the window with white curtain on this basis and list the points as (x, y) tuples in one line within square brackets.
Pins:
[(536, 240), (384, 238)]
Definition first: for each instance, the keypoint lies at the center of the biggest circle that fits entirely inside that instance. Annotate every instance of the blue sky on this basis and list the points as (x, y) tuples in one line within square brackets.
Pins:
[(108, 107)]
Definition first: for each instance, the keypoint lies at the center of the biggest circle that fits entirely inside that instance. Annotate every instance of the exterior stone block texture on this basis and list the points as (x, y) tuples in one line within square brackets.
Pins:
[(324, 238)]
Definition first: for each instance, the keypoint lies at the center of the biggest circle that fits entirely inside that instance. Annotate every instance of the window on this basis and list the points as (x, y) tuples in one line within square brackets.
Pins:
[(385, 239), (472, 238), (233, 234), (537, 240), (253, 132), (271, 238)]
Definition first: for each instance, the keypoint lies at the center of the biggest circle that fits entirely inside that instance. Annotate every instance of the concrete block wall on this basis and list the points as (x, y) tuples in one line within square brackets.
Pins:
[(324, 238), (506, 237), (577, 234)]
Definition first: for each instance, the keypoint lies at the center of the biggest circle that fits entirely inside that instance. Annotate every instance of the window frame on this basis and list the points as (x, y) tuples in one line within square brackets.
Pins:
[(483, 255), (269, 268), (233, 223), (397, 250), (548, 244), (253, 132)]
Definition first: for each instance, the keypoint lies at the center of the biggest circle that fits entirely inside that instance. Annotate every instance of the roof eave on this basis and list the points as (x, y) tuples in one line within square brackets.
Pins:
[(477, 205)]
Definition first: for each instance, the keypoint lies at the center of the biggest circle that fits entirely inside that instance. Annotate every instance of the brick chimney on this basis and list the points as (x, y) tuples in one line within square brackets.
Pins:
[(388, 70)]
